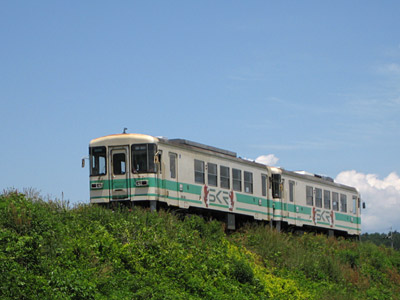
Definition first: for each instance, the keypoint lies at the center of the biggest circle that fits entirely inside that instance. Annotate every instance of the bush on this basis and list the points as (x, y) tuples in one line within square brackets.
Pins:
[(49, 250)]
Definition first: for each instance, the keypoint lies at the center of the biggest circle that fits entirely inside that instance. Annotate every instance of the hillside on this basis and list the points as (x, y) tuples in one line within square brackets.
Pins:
[(51, 251)]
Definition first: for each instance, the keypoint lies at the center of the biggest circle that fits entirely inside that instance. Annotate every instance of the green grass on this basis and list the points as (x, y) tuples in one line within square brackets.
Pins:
[(51, 251)]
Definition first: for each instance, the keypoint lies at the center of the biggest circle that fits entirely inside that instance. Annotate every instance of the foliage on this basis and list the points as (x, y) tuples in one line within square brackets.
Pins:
[(383, 239), (328, 268), (49, 250)]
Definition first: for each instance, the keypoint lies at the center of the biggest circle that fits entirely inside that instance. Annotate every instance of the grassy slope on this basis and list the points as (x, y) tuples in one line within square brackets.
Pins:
[(48, 251)]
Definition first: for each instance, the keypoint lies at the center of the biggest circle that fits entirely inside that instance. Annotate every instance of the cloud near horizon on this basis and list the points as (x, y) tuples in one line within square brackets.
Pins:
[(382, 198), (269, 159)]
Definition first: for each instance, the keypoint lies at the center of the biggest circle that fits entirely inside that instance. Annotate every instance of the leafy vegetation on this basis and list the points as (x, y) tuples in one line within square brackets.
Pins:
[(392, 238), (328, 268), (51, 251)]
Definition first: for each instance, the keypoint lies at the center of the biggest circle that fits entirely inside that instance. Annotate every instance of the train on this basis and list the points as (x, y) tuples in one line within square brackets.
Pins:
[(181, 174)]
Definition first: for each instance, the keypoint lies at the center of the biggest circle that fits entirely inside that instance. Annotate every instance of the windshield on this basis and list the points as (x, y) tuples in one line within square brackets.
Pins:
[(97, 156)]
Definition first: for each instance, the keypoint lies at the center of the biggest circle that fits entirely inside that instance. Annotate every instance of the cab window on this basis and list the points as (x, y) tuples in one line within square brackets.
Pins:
[(98, 161)]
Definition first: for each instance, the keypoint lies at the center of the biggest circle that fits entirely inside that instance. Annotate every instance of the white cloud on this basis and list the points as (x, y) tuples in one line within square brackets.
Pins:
[(382, 198), (390, 68), (269, 159)]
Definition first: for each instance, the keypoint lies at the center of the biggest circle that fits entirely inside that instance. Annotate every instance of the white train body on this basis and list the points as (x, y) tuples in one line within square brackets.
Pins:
[(184, 174)]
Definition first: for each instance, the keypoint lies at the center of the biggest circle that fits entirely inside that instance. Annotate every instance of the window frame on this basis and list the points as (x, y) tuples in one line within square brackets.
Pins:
[(236, 180), (150, 165), (118, 164), (327, 200), (223, 178), (264, 184), (292, 184), (335, 201), (248, 184), (172, 165), (343, 203), (212, 175), (318, 197), (354, 198), (199, 172), (94, 158), (308, 195)]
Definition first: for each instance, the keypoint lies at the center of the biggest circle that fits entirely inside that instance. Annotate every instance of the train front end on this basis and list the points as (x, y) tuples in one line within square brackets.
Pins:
[(123, 168)]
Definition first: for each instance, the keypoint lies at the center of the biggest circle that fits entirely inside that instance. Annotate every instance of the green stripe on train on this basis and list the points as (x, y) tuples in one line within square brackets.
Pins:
[(197, 190)]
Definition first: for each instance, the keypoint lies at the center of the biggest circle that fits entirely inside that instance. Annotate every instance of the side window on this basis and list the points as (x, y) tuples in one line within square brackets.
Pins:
[(309, 195), (212, 174), (237, 180), (172, 165), (264, 185), (354, 205), (143, 158), (199, 171), (327, 199), (335, 201), (291, 190), (119, 164), (318, 197), (343, 203), (248, 182), (224, 176)]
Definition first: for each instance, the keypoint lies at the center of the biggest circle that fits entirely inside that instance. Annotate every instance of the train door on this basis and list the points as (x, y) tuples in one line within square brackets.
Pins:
[(284, 199), (119, 181), (264, 192), (173, 187)]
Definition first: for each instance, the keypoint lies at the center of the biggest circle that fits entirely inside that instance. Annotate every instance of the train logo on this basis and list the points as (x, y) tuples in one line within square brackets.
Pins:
[(218, 197), (319, 215)]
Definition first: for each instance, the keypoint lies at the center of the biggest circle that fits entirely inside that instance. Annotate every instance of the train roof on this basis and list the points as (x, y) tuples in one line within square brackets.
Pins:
[(202, 146), (126, 138), (123, 138), (317, 178)]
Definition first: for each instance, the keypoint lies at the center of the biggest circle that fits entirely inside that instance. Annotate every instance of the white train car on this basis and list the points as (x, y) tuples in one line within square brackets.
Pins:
[(315, 201), (179, 173)]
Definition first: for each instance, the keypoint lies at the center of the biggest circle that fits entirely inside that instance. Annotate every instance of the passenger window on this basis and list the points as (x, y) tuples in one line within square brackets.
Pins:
[(143, 158), (248, 182), (264, 185), (199, 171), (335, 201), (212, 174), (318, 197), (172, 165), (119, 164), (237, 180), (343, 203), (354, 205), (291, 190), (309, 196), (327, 199), (224, 174)]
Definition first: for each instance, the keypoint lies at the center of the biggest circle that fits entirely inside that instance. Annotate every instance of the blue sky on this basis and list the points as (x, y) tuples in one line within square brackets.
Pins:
[(314, 83)]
